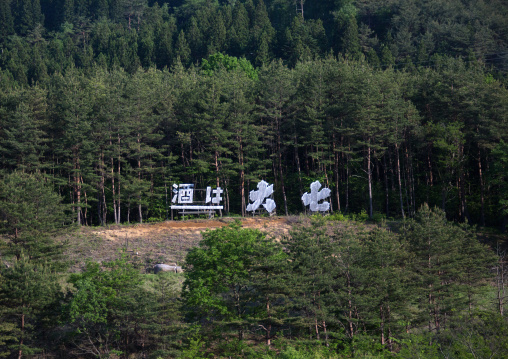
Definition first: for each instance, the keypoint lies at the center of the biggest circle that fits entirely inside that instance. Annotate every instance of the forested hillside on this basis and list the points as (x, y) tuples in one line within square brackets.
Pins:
[(389, 103), (399, 107), (40, 38)]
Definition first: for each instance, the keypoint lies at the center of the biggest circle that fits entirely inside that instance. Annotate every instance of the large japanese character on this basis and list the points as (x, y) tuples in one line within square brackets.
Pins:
[(264, 191), (315, 196), (216, 192), (184, 193)]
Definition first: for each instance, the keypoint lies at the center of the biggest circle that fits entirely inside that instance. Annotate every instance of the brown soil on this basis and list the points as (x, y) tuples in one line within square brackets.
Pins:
[(165, 242)]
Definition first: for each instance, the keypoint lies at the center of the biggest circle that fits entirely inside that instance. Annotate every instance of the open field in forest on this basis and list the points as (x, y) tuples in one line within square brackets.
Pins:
[(164, 242), (169, 241)]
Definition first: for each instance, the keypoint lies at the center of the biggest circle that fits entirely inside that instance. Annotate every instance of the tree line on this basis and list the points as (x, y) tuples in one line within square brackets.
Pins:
[(384, 140)]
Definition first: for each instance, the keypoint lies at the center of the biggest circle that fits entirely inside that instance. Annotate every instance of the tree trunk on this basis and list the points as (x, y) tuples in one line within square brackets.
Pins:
[(103, 191), (113, 189), (242, 177), (298, 167), (77, 189), (382, 324), (216, 157), (269, 326), (21, 341), (387, 190), (113, 183), (500, 272), (279, 151), (118, 207), (336, 172), (482, 191), (140, 212), (369, 176), (347, 178), (411, 182), (350, 305)]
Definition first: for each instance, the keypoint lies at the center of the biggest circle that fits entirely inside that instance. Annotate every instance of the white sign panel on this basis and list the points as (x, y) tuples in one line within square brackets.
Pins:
[(183, 198), (312, 199), (258, 197)]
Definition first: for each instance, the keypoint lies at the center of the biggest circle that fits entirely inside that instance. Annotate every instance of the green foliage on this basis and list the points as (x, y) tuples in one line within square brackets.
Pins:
[(27, 293), (114, 304), (446, 256), (31, 214), (220, 265), (99, 291), (358, 217), (337, 216), (228, 280), (229, 63), (194, 349)]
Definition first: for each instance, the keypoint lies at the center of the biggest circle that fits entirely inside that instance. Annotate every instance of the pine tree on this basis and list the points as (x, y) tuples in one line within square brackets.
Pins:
[(276, 88), (366, 108), (349, 279), (310, 272), (182, 50), (217, 34), (31, 215), (310, 108), (138, 112), (71, 100), (386, 56), (27, 15), (388, 296), (133, 10), (6, 20), (442, 255), (246, 134), (350, 39), (23, 139), (195, 39), (262, 34), (27, 291), (239, 31), (164, 39)]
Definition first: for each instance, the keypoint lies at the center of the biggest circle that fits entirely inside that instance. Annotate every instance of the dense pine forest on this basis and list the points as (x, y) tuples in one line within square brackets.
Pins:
[(400, 107), (392, 104)]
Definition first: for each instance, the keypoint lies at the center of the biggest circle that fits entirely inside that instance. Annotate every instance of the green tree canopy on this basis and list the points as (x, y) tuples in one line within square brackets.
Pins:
[(31, 213)]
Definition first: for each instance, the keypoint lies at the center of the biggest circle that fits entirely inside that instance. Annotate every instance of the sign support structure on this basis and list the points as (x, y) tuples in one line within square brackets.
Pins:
[(188, 200)]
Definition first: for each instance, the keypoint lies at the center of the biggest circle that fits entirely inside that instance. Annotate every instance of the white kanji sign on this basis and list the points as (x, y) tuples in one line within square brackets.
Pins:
[(258, 197), (183, 193), (312, 199), (186, 197), (216, 192)]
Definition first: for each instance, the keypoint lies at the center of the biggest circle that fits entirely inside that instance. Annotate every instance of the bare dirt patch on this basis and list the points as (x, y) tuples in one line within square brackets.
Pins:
[(165, 242)]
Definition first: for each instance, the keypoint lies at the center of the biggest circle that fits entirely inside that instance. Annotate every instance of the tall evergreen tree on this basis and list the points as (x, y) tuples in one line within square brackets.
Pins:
[(350, 38), (276, 88), (6, 20), (182, 50), (310, 278), (441, 258), (27, 292), (31, 215)]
